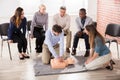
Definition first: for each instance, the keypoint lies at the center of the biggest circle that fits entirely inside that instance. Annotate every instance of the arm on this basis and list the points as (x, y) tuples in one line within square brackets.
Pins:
[(49, 44), (24, 26), (95, 55), (97, 51), (91, 52), (10, 31), (46, 24), (33, 24), (61, 44), (78, 25), (90, 21), (67, 23)]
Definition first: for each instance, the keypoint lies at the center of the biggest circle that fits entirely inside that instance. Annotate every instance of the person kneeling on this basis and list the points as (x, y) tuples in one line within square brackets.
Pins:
[(53, 38), (100, 55)]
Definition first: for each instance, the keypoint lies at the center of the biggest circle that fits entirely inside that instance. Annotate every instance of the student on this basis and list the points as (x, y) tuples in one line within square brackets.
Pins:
[(53, 44), (81, 22), (18, 23), (63, 20), (38, 27), (100, 54)]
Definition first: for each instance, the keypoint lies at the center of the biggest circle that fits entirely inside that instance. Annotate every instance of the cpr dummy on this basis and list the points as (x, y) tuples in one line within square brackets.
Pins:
[(57, 64)]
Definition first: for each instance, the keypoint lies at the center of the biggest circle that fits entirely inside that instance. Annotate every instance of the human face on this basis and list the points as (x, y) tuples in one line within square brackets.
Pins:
[(42, 10), (22, 15), (82, 14), (56, 33), (62, 12)]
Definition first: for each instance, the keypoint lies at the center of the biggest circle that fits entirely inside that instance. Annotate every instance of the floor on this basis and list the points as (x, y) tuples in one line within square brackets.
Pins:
[(23, 69)]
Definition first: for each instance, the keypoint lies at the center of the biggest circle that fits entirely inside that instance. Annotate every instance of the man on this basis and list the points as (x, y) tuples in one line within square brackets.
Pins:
[(63, 20), (53, 38), (81, 22), (38, 26)]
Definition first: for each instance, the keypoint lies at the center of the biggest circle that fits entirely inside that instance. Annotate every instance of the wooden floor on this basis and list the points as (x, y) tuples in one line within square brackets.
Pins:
[(23, 70)]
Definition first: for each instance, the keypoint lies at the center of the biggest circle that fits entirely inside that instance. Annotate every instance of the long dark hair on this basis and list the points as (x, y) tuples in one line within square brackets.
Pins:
[(16, 19), (92, 35)]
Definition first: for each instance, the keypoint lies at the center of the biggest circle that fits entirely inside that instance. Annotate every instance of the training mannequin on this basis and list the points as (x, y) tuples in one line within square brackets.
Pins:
[(57, 64)]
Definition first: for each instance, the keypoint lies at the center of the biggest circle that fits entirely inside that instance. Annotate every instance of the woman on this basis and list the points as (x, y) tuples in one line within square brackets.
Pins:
[(18, 23), (38, 27), (100, 55)]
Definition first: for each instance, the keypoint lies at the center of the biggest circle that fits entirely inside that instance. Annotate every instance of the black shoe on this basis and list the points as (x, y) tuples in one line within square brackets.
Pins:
[(38, 51), (26, 56), (87, 53), (21, 57), (112, 62), (67, 50), (73, 52), (110, 67)]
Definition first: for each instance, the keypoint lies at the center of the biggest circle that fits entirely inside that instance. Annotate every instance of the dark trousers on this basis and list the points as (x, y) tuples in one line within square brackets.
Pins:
[(76, 39), (39, 34), (21, 40)]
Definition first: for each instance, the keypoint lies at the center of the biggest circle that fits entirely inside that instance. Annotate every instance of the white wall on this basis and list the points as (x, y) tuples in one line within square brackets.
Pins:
[(8, 7), (92, 9)]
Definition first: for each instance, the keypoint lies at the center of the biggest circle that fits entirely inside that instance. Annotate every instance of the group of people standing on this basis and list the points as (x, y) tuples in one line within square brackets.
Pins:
[(51, 41)]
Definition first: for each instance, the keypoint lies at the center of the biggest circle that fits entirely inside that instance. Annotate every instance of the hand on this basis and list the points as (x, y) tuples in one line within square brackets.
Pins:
[(59, 59), (84, 31), (79, 33), (31, 37), (87, 61), (65, 32), (10, 41)]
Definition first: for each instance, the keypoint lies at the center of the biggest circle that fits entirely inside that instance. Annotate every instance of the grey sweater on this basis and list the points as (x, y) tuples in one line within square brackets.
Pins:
[(39, 19)]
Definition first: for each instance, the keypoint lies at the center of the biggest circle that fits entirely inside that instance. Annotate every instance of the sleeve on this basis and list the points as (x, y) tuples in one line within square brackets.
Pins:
[(24, 26), (90, 21), (33, 23), (46, 24), (78, 24), (67, 23), (62, 44), (10, 31), (49, 44)]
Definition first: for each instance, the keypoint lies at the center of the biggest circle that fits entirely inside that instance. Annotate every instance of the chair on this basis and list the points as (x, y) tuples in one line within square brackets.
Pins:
[(28, 33), (114, 31), (3, 32)]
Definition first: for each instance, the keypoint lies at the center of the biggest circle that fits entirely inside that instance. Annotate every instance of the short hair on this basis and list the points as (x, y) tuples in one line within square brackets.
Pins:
[(42, 5), (82, 9), (63, 7), (57, 28)]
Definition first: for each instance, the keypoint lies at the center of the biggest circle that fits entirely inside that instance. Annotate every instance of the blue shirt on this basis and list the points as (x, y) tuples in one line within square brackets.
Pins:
[(13, 28), (100, 48), (51, 40)]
